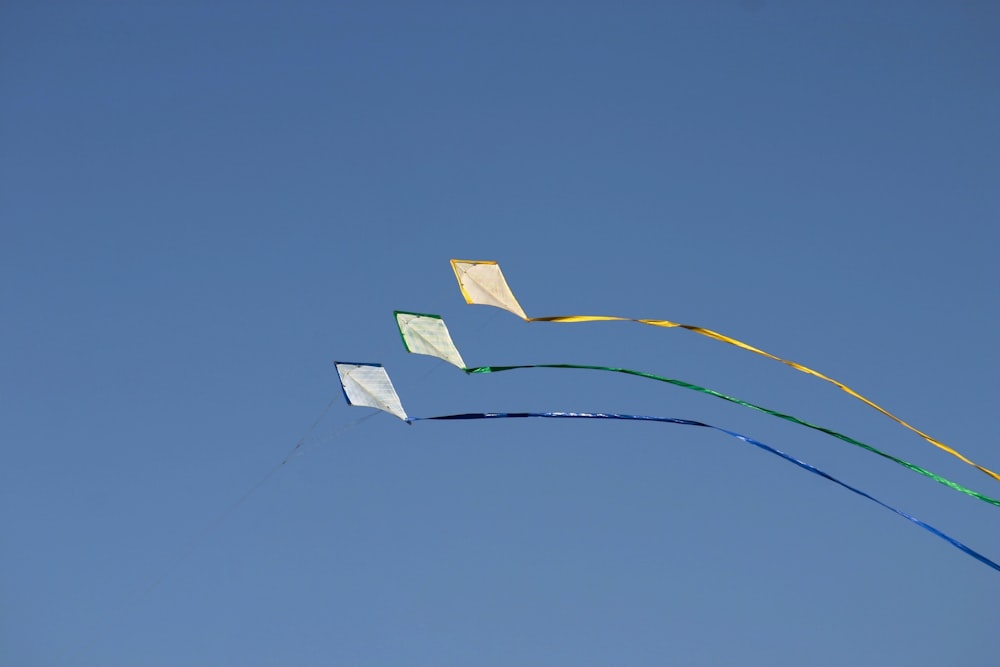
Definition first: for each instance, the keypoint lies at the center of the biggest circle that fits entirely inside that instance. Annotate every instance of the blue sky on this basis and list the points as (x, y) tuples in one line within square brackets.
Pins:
[(204, 204)]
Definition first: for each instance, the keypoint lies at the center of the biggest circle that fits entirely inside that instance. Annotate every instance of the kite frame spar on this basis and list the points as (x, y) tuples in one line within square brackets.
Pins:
[(487, 286)]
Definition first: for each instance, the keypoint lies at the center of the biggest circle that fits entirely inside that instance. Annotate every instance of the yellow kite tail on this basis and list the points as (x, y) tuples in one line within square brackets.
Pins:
[(799, 367), (843, 387)]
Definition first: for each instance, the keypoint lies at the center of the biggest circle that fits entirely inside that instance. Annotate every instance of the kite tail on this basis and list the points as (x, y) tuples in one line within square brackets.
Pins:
[(799, 367), (774, 413), (760, 445), (843, 387)]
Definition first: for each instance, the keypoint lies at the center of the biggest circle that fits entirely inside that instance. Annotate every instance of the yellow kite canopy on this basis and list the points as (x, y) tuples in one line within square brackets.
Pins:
[(482, 283)]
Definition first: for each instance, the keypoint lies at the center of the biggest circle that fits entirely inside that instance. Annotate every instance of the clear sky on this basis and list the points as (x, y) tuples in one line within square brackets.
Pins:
[(203, 204)]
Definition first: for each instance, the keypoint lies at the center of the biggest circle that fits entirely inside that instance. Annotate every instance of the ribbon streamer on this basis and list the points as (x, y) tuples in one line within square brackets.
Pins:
[(774, 413), (377, 392), (756, 443), (482, 282), (423, 333)]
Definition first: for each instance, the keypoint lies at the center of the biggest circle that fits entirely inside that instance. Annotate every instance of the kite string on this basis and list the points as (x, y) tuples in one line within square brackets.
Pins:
[(293, 453), (756, 443), (214, 524), (188, 547)]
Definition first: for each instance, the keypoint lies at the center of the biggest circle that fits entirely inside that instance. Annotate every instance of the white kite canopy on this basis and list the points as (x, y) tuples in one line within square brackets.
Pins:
[(368, 385), (427, 334), (482, 283)]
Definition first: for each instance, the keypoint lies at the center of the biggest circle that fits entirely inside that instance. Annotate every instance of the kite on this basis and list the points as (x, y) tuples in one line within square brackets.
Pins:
[(368, 385), (482, 283), (427, 334)]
